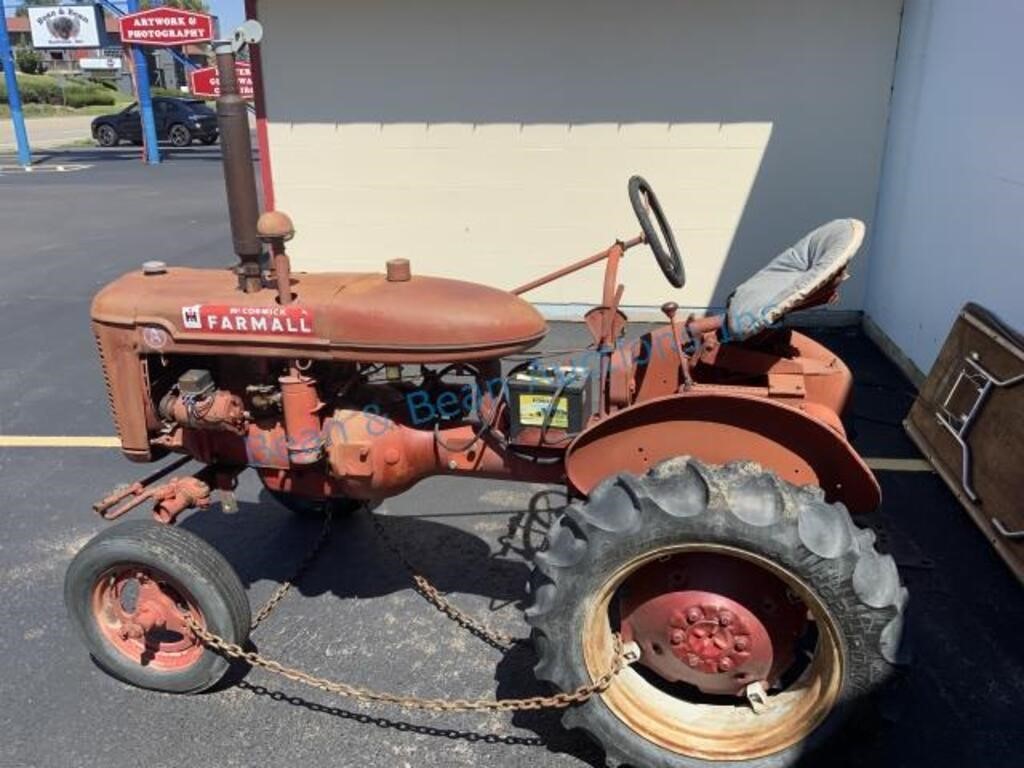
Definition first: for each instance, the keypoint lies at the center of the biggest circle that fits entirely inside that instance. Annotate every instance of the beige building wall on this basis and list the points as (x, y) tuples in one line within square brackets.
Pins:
[(493, 141)]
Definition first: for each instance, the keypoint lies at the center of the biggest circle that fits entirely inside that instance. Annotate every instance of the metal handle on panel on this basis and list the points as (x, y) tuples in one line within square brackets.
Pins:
[(983, 382), (1005, 532)]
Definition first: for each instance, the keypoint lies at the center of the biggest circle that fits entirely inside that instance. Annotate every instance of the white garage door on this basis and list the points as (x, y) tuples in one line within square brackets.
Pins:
[(493, 141)]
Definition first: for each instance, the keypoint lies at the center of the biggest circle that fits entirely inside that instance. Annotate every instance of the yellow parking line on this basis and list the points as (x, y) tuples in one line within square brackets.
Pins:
[(58, 441), (899, 465), (100, 441)]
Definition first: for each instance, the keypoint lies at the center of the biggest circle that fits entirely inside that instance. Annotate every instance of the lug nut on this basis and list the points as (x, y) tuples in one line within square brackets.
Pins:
[(677, 637), (725, 618), (725, 664), (741, 643), (693, 615)]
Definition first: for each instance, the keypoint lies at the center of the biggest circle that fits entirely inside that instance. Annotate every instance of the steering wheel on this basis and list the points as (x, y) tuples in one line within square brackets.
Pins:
[(659, 237)]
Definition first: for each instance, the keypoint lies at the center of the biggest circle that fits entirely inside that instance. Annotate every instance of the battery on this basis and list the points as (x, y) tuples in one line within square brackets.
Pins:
[(532, 399)]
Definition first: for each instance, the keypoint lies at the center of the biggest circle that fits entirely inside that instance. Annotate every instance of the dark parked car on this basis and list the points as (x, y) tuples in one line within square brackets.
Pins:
[(179, 121)]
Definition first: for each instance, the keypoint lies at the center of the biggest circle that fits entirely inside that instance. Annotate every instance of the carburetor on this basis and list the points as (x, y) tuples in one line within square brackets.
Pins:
[(195, 402)]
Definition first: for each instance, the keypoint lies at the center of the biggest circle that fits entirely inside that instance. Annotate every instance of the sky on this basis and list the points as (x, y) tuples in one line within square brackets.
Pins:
[(231, 12)]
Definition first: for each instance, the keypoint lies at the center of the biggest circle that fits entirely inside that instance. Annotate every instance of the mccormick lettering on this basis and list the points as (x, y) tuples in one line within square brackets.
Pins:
[(257, 321)]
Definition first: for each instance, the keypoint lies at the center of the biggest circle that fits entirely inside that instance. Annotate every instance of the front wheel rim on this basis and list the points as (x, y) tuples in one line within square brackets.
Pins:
[(713, 731), (179, 137), (141, 614)]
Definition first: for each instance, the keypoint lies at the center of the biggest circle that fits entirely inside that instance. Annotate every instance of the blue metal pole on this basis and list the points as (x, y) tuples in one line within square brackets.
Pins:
[(13, 94), (145, 99)]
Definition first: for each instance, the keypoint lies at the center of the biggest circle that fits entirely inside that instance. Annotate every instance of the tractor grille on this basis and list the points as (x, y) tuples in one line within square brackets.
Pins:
[(125, 379), (106, 384)]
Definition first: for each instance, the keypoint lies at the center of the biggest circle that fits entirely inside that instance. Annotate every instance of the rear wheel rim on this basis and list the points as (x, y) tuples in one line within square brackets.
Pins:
[(107, 136), (716, 731), (141, 614)]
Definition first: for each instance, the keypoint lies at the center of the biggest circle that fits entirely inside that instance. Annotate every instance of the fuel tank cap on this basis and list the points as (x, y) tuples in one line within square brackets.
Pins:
[(398, 270)]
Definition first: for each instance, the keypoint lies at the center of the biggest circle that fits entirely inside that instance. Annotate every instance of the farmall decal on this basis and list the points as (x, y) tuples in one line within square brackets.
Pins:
[(247, 321)]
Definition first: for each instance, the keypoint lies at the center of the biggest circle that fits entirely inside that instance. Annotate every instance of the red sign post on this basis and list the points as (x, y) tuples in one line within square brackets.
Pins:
[(205, 82), (165, 27)]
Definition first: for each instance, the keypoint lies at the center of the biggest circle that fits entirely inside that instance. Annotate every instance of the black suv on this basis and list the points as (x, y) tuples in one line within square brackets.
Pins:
[(179, 121)]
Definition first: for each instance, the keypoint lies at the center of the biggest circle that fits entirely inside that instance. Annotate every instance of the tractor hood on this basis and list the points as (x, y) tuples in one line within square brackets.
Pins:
[(340, 316)]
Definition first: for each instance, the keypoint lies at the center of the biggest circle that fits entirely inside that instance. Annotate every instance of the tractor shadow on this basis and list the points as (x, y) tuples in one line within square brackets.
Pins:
[(480, 557), (359, 561)]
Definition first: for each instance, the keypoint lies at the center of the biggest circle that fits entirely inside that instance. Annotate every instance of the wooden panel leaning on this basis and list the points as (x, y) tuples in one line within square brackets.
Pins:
[(968, 420)]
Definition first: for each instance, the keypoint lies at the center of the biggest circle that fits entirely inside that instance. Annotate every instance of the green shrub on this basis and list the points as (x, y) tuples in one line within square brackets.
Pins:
[(86, 97), (28, 60), (77, 92), (38, 89), (102, 82), (168, 92)]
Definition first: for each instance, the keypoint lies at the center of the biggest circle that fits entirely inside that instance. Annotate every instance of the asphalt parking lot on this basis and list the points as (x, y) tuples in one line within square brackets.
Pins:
[(356, 616)]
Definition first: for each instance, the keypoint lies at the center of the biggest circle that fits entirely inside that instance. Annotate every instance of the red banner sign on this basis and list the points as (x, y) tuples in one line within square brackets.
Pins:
[(206, 82), (166, 27), (252, 321)]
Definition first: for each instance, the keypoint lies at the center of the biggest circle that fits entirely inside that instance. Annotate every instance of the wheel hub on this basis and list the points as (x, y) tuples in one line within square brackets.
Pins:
[(143, 616), (711, 622)]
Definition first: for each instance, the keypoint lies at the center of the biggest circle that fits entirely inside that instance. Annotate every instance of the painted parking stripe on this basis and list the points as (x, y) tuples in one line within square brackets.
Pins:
[(58, 441), (100, 441)]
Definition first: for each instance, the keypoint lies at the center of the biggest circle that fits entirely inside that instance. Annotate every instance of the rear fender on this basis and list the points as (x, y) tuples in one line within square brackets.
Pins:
[(717, 428)]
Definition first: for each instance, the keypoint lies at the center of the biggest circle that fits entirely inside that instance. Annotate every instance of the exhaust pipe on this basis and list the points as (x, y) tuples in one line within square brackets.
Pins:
[(239, 176)]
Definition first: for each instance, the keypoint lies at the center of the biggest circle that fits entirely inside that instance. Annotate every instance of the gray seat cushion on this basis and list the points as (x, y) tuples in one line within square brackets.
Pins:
[(792, 276)]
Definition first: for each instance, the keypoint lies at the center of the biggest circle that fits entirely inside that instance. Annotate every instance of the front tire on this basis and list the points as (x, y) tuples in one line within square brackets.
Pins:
[(676, 534), (107, 136), (127, 593), (180, 136)]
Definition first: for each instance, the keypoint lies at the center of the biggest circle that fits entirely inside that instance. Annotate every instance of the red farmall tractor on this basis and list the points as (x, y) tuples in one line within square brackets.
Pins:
[(705, 595)]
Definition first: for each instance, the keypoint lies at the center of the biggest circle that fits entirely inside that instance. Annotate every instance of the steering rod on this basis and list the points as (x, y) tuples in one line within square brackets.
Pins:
[(578, 265)]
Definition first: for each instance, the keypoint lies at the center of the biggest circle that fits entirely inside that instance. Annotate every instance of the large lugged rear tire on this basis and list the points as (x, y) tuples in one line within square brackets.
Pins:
[(128, 592), (603, 551)]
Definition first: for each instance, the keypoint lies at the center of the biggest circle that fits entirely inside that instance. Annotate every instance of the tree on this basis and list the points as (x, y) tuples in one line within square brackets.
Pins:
[(186, 5), (28, 60), (23, 11)]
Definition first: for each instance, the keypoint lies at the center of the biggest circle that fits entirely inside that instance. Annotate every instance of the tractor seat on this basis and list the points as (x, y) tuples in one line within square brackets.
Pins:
[(793, 279)]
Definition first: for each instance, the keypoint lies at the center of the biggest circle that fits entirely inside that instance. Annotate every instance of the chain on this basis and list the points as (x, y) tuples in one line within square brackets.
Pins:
[(433, 596), (623, 655), (297, 574)]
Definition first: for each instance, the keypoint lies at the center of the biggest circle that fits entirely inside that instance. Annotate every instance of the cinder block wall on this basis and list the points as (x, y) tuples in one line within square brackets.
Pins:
[(493, 141)]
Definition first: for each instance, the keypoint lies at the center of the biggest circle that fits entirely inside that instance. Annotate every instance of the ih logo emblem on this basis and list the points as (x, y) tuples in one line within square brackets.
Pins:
[(190, 317)]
